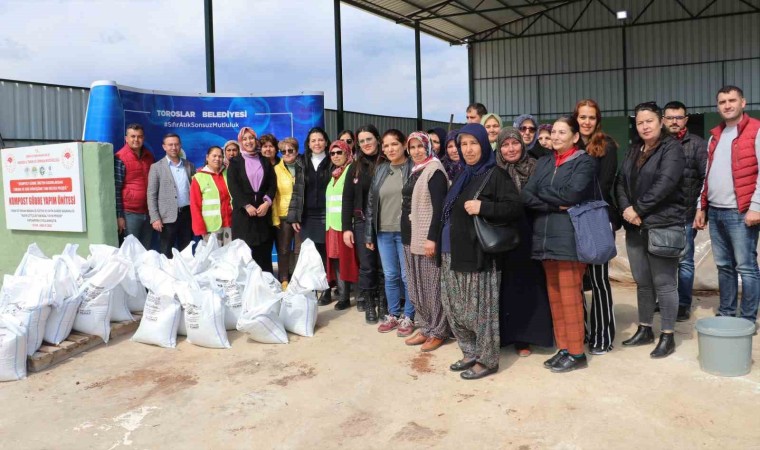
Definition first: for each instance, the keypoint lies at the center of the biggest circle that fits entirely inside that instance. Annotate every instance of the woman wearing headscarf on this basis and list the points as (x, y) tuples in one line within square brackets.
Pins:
[(384, 228), (559, 182), (341, 259), (231, 149), (524, 314), (306, 212), (451, 161), (355, 192), (438, 141), (528, 127), (287, 171), (210, 201), (492, 123), (423, 196), (470, 278), (253, 185)]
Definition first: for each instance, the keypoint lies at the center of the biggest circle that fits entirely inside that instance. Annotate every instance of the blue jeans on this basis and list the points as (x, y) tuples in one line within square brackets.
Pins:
[(139, 226), (734, 247), (392, 257), (686, 269)]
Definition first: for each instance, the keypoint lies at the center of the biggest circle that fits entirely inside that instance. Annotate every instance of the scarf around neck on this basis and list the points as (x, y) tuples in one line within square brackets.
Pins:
[(338, 171), (424, 138), (524, 167)]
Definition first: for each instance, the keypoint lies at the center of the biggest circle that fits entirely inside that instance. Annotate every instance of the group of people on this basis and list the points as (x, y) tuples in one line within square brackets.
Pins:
[(407, 219)]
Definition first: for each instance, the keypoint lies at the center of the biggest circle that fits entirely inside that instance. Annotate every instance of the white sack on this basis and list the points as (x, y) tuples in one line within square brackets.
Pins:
[(309, 274), (31, 250), (298, 313), (261, 307), (94, 314), (119, 307), (12, 348), (61, 319), (263, 327), (204, 318), (25, 298), (159, 321), (100, 255)]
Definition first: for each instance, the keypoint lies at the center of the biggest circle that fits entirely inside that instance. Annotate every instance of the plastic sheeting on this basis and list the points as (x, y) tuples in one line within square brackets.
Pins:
[(705, 272)]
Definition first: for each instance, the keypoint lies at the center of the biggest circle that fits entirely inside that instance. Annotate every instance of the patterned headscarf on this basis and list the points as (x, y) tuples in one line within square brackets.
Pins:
[(521, 170), (429, 155), (453, 168), (338, 171), (469, 172)]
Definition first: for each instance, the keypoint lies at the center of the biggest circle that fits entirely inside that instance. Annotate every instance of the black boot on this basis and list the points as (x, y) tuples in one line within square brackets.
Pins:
[(345, 296), (370, 314), (361, 300), (643, 336), (666, 346), (382, 303), (684, 313), (325, 298)]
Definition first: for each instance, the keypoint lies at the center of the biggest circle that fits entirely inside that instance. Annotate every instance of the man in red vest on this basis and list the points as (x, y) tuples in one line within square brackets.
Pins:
[(131, 167), (730, 202)]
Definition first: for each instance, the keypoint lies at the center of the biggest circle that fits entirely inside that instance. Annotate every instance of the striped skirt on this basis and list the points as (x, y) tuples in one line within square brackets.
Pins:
[(471, 303), (423, 285)]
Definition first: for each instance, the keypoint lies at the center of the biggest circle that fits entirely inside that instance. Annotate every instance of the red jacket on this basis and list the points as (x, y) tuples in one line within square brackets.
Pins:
[(744, 162), (134, 191), (196, 201)]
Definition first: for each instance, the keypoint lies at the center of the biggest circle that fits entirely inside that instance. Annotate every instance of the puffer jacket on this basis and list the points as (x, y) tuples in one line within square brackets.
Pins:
[(373, 198), (549, 188), (655, 191), (695, 151)]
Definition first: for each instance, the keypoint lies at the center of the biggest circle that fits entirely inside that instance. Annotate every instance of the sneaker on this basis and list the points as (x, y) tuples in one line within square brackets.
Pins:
[(683, 313), (599, 350), (405, 327), (389, 323)]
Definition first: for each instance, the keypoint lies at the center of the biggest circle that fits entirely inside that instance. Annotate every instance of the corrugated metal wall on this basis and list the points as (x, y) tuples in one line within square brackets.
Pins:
[(33, 113), (687, 61)]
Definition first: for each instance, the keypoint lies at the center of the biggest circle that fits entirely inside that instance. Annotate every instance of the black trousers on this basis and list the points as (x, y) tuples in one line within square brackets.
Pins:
[(178, 234), (600, 319), (262, 254), (369, 261)]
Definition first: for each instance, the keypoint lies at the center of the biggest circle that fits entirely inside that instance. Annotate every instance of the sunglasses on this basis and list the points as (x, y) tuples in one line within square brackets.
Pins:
[(337, 153), (288, 151), (348, 141), (527, 129)]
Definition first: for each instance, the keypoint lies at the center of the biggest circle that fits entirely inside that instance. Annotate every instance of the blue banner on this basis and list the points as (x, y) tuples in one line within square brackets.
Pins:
[(201, 120)]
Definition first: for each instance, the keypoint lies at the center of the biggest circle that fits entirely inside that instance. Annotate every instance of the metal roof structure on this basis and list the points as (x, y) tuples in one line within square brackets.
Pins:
[(470, 21)]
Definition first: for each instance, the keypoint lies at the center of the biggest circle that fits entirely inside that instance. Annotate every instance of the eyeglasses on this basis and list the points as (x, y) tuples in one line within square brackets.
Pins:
[(348, 141), (528, 129), (337, 153), (674, 117), (288, 151)]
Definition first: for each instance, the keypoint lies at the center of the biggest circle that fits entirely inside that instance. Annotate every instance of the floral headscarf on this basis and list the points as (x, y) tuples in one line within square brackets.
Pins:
[(429, 155), (521, 170), (338, 171)]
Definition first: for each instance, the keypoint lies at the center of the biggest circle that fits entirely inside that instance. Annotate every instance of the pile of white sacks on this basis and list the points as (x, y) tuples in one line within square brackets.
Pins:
[(199, 295)]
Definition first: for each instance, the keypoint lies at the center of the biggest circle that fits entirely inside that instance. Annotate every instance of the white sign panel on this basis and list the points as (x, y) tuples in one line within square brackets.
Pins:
[(43, 188)]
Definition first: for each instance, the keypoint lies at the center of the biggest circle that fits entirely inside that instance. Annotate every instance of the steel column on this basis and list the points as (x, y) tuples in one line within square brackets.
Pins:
[(418, 64), (208, 17), (471, 71), (338, 66)]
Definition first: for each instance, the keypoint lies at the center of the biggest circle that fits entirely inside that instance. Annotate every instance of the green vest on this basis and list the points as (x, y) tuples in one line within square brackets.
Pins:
[(334, 202), (210, 206)]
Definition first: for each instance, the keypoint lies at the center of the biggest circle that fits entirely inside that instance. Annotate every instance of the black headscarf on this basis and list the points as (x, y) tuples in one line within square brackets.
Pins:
[(441, 133)]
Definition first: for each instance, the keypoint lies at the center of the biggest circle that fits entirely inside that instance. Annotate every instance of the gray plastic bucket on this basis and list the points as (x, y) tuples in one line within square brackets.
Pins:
[(725, 345)]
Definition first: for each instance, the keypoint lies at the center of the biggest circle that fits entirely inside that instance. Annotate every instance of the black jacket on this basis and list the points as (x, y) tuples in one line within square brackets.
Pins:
[(309, 190), (539, 150), (549, 188), (695, 151), (500, 203), (655, 191), (253, 230), (372, 210), (355, 192)]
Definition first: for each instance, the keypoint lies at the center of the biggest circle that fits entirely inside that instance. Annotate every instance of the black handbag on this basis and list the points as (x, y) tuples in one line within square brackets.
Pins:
[(494, 238), (668, 242)]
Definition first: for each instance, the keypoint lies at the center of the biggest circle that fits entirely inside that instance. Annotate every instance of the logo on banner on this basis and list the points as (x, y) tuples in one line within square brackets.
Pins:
[(68, 159), (10, 164)]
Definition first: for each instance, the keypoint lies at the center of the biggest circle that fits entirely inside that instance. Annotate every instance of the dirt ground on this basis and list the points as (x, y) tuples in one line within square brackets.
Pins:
[(351, 387)]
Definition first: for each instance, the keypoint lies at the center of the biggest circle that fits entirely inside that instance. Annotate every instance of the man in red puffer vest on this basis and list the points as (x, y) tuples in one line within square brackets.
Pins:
[(131, 166), (730, 202)]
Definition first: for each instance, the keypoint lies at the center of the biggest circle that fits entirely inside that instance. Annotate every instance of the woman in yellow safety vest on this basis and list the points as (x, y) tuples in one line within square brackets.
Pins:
[(210, 200), (341, 259)]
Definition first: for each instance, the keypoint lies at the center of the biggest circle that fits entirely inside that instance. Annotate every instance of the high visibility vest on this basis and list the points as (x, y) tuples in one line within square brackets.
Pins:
[(211, 208), (334, 202)]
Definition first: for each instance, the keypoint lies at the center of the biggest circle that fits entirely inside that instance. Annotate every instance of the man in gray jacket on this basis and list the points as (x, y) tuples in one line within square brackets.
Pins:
[(169, 197)]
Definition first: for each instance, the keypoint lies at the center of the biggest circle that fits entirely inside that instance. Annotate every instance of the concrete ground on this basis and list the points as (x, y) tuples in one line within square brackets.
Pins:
[(351, 387)]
